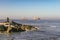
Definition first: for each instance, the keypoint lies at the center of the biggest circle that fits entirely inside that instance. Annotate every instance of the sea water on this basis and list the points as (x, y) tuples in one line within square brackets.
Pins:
[(48, 30)]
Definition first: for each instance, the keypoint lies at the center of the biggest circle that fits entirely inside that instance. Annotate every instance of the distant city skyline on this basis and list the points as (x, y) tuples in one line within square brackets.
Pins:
[(17, 9)]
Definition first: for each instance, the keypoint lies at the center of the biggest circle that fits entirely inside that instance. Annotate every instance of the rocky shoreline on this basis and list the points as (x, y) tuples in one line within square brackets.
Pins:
[(11, 26)]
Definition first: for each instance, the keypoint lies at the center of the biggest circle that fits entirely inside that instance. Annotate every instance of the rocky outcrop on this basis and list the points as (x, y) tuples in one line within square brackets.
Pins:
[(20, 27), (15, 27)]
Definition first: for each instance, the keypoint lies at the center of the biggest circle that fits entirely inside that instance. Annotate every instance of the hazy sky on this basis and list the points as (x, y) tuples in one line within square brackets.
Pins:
[(30, 8)]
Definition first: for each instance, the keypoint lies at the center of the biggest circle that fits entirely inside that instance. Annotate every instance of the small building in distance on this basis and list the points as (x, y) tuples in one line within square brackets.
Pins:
[(24, 18), (36, 18)]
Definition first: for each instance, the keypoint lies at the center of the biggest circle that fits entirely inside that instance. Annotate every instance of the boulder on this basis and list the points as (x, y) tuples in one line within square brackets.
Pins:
[(28, 27)]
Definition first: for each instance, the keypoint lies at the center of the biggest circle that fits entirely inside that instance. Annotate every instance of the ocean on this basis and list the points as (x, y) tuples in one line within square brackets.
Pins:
[(48, 30)]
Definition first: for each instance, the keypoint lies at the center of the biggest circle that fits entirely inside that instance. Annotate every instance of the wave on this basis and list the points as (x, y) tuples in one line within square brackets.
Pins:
[(53, 26)]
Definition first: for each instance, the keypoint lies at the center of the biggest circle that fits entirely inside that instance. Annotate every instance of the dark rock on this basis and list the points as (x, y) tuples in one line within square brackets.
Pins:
[(3, 28)]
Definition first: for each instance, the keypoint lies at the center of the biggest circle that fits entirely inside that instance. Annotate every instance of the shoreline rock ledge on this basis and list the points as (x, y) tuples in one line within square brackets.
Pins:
[(11, 26)]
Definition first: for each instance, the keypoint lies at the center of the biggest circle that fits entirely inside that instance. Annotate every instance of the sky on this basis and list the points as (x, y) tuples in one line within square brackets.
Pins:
[(30, 8)]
